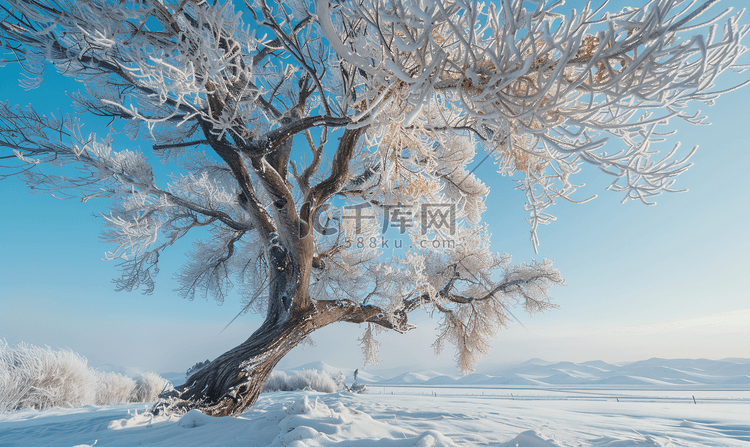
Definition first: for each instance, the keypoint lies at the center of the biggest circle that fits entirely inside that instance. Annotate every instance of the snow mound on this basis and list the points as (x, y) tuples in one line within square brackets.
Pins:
[(530, 438), (194, 418), (537, 438), (312, 423), (641, 441), (433, 439), (305, 421)]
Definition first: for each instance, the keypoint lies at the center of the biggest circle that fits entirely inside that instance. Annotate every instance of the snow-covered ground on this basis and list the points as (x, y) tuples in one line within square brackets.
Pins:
[(665, 403), (410, 416)]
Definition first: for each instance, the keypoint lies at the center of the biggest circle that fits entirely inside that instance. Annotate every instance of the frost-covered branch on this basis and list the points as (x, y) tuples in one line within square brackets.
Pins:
[(538, 88)]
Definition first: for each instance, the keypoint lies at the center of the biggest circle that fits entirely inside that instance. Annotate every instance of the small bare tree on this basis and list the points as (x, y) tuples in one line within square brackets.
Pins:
[(390, 101)]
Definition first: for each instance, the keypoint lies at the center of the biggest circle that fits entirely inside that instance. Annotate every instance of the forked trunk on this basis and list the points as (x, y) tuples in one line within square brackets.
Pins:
[(232, 383)]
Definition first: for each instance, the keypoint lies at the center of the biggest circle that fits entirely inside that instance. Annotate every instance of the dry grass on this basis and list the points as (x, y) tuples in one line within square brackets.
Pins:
[(307, 379), (40, 378)]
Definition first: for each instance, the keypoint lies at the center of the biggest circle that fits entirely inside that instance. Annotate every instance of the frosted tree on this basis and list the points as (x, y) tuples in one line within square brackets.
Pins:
[(297, 132)]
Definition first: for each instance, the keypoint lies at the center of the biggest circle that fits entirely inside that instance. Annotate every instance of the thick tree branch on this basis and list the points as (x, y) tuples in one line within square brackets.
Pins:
[(271, 141), (351, 312), (320, 193), (248, 198)]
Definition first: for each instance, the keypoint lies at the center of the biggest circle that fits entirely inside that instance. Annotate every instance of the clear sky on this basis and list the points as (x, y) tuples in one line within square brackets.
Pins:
[(664, 281)]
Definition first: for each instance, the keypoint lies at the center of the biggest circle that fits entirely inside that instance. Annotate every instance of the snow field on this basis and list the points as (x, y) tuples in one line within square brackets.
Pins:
[(311, 419)]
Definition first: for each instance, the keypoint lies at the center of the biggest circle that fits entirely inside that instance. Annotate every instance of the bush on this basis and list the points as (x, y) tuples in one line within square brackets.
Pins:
[(113, 389), (39, 378), (307, 379), (148, 387)]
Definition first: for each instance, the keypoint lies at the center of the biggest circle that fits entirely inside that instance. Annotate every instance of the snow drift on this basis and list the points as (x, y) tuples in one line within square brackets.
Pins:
[(40, 378)]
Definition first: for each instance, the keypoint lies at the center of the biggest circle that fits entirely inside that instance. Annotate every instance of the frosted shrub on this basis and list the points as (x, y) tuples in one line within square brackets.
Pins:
[(40, 378), (338, 379), (148, 387), (113, 388), (307, 379)]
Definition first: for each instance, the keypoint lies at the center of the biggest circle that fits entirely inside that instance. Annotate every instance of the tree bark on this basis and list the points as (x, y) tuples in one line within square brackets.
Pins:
[(232, 383)]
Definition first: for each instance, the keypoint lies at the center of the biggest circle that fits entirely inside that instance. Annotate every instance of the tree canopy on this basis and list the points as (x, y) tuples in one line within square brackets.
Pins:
[(300, 133)]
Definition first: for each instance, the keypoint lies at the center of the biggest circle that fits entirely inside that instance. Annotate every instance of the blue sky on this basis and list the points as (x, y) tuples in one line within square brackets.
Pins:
[(669, 280)]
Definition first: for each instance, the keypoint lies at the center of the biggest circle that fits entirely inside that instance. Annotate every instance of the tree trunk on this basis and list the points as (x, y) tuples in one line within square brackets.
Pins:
[(232, 383)]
